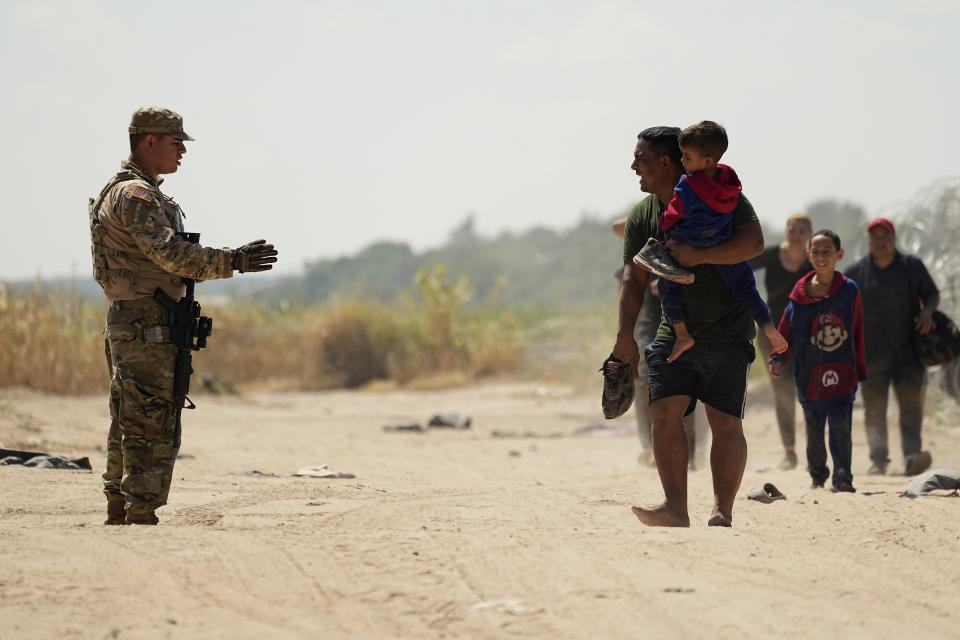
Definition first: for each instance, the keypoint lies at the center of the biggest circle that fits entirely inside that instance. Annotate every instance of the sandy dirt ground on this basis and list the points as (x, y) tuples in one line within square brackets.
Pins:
[(514, 528)]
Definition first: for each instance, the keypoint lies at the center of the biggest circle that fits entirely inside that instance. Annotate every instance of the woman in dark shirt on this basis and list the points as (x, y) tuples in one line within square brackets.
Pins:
[(783, 265)]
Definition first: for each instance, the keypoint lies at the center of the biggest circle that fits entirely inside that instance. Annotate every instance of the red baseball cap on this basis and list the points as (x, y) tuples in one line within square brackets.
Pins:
[(881, 222)]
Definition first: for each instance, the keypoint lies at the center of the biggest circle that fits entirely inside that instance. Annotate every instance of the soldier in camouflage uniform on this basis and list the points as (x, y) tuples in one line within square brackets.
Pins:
[(136, 251)]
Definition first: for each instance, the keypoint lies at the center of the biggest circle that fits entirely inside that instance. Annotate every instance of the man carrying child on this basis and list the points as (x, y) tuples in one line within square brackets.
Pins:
[(700, 214), (713, 371)]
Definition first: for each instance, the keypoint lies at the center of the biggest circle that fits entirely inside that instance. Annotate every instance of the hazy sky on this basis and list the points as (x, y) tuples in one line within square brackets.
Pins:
[(325, 126)]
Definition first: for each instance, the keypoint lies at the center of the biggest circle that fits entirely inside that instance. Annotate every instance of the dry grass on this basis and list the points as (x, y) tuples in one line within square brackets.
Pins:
[(52, 341)]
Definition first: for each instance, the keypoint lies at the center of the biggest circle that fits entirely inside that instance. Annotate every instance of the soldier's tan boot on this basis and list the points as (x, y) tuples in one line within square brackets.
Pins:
[(142, 518), (116, 511)]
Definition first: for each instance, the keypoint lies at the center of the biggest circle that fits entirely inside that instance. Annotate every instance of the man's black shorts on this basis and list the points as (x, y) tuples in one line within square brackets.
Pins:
[(716, 374)]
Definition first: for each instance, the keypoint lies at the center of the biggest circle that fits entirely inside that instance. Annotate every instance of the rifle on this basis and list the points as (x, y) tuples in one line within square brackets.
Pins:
[(188, 330)]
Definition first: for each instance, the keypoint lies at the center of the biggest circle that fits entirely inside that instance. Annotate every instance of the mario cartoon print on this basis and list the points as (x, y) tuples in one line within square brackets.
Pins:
[(828, 333)]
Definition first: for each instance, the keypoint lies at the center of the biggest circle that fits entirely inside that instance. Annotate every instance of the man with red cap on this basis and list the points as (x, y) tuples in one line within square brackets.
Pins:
[(899, 298)]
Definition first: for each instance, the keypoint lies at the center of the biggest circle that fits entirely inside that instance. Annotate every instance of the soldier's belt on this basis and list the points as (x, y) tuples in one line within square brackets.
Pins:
[(136, 303)]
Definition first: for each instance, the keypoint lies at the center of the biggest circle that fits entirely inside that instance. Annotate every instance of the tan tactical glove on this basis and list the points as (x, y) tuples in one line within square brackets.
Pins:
[(254, 256)]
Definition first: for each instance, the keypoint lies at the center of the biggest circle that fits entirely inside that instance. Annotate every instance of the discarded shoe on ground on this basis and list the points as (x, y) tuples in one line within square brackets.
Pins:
[(323, 471), (450, 421), (918, 463), (766, 494), (617, 387), (655, 258)]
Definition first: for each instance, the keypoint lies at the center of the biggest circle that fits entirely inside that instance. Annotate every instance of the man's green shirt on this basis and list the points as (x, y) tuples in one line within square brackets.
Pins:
[(711, 311)]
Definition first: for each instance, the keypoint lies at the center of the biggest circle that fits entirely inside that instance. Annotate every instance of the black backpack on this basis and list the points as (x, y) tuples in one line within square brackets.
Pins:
[(941, 345)]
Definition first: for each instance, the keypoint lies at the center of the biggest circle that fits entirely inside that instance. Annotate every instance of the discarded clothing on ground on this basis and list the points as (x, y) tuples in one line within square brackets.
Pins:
[(412, 427), (323, 471), (439, 420), (497, 433), (945, 482), (41, 460), (450, 420)]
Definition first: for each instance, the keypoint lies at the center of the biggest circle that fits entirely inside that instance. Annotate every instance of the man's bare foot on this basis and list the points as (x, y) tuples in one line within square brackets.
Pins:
[(682, 343), (719, 520), (661, 516), (777, 342)]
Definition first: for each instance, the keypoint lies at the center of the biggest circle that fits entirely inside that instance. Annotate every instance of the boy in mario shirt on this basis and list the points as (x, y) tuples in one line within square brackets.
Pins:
[(823, 324), (700, 214)]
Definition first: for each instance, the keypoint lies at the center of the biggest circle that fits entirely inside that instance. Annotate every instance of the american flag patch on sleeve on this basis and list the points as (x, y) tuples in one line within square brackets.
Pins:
[(143, 194)]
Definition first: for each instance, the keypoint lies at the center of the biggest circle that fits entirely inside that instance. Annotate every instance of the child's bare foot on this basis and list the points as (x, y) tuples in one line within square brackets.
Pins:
[(661, 516), (777, 341), (683, 342)]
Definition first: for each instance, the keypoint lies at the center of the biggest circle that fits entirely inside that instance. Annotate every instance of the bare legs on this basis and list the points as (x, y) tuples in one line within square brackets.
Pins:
[(728, 459), (694, 425), (671, 452)]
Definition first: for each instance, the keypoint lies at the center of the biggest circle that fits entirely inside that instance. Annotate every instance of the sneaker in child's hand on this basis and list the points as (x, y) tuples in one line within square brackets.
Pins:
[(655, 258)]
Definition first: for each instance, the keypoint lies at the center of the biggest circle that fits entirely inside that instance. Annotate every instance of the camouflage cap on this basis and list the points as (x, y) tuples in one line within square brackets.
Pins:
[(157, 120)]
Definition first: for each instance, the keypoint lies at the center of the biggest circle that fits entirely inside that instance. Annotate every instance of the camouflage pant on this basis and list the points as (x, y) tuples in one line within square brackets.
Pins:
[(144, 433)]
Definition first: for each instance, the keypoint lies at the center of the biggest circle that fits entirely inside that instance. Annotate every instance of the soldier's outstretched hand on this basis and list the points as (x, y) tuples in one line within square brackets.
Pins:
[(254, 256)]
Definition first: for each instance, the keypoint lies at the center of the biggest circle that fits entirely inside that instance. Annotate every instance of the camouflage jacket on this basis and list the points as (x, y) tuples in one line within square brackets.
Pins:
[(134, 243)]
